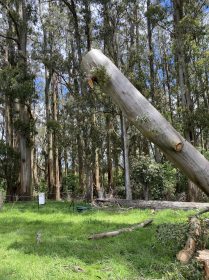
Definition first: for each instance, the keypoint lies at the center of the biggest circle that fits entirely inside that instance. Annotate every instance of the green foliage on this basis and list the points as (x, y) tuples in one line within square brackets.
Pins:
[(172, 236), (9, 165), (26, 129), (2, 184), (119, 181), (100, 75), (42, 186), (53, 126), (70, 183), (16, 83), (160, 178), (191, 271), (156, 13)]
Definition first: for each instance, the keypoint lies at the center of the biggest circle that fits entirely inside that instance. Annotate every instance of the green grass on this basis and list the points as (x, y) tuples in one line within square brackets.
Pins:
[(65, 247)]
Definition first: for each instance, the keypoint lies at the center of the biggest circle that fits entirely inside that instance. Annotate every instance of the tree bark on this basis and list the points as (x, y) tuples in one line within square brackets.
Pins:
[(155, 204), (203, 257), (126, 158), (183, 81), (119, 231), (56, 189), (148, 120), (50, 172), (186, 254), (109, 156)]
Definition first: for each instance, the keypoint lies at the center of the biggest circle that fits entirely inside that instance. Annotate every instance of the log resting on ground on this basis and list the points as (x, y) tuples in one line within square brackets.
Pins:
[(119, 231), (147, 119), (155, 204), (186, 254), (203, 257)]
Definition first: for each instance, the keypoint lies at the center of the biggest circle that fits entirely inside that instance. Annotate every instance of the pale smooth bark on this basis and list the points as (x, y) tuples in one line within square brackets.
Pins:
[(56, 170), (148, 120), (50, 171), (119, 231), (126, 158), (155, 204), (25, 147), (183, 81)]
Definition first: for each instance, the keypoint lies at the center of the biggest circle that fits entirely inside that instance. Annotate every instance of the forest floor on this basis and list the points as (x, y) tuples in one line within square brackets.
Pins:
[(66, 253)]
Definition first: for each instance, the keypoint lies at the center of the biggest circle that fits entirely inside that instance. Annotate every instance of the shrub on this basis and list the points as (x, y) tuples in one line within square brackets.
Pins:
[(158, 178)]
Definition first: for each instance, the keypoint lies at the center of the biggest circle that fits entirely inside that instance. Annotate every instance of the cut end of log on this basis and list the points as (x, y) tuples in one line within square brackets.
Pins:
[(184, 256), (203, 257), (179, 147)]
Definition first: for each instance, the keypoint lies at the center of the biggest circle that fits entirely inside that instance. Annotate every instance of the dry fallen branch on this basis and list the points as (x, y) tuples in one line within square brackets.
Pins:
[(119, 231)]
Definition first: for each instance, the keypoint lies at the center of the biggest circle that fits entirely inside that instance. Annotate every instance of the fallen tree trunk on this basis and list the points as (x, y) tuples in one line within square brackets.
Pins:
[(155, 204), (119, 231), (203, 257), (146, 118), (186, 254)]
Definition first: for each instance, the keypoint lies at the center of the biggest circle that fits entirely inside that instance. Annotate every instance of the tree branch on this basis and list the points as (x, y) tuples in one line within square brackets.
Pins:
[(9, 37), (15, 22)]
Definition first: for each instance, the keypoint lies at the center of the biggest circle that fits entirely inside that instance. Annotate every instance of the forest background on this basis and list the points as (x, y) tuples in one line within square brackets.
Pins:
[(61, 137)]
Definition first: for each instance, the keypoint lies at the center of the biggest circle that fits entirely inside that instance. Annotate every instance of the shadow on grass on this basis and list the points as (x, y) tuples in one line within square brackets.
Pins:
[(65, 240), (67, 236)]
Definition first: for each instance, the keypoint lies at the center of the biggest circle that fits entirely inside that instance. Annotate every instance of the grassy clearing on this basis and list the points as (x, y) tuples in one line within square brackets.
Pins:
[(65, 249)]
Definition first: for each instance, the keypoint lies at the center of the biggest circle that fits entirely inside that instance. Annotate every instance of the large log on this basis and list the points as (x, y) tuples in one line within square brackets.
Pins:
[(188, 251), (155, 204), (147, 119), (203, 257)]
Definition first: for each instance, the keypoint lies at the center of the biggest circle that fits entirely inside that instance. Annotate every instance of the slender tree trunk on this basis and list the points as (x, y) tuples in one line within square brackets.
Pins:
[(80, 161), (56, 188), (99, 190), (50, 171), (126, 157), (193, 192), (109, 156), (24, 138), (152, 73)]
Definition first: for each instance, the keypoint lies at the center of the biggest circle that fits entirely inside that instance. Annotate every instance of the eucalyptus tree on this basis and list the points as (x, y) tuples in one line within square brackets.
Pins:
[(18, 87)]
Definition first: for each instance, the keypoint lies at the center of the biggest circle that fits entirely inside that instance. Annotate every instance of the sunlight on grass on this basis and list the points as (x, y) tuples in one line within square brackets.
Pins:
[(66, 253)]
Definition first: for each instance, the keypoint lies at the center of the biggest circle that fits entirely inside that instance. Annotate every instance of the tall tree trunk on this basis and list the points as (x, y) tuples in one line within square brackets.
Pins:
[(24, 138), (56, 188), (183, 80), (126, 157), (152, 73), (109, 156), (99, 190), (50, 170)]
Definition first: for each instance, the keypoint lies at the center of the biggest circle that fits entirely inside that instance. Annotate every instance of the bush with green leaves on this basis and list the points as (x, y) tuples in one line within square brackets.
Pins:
[(158, 178), (191, 271), (70, 183), (9, 166)]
